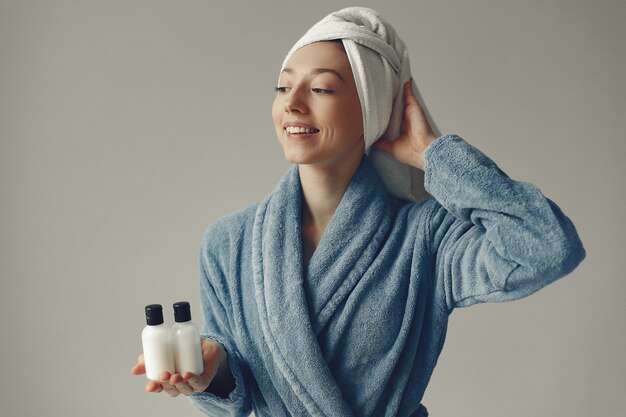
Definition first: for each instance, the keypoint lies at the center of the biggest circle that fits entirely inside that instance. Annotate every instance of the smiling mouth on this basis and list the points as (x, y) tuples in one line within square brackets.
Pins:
[(300, 132)]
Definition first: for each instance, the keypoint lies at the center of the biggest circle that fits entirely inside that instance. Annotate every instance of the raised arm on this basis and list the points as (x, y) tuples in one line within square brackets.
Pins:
[(495, 239)]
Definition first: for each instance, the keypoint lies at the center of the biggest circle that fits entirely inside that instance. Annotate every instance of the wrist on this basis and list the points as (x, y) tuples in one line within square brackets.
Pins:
[(223, 383), (419, 160)]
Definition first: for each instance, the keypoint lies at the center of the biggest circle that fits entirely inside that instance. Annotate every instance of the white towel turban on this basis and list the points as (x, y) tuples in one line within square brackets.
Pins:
[(380, 66)]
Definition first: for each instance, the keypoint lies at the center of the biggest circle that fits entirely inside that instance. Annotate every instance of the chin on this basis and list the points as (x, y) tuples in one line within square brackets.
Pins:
[(299, 158)]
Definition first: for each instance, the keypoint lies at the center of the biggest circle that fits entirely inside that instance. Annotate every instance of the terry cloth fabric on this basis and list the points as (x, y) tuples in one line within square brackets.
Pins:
[(380, 66), (357, 332)]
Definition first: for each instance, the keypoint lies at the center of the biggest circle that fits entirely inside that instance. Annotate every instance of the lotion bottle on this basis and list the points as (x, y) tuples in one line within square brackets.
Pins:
[(187, 342), (158, 344)]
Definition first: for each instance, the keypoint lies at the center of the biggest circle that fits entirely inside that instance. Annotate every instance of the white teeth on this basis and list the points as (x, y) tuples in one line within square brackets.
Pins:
[(297, 129)]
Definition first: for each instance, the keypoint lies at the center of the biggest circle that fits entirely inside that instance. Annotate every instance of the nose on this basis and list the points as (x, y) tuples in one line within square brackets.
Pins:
[(296, 100)]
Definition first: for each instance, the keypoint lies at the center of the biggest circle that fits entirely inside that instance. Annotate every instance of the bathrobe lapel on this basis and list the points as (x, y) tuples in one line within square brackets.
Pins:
[(349, 245), (295, 303)]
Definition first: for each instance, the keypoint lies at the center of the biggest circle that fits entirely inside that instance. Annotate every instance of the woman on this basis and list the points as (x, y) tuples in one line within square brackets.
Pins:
[(331, 297)]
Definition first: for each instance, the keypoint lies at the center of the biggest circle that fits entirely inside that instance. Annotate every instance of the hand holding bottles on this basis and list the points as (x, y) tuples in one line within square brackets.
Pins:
[(178, 360), (216, 371)]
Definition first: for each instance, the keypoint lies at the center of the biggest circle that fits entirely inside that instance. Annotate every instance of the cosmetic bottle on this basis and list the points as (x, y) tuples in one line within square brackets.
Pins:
[(187, 343), (158, 344)]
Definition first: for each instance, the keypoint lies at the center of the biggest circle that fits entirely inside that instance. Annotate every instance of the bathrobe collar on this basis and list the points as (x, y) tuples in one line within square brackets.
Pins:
[(295, 303)]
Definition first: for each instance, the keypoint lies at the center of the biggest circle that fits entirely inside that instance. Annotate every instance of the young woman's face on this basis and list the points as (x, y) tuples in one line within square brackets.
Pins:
[(316, 90)]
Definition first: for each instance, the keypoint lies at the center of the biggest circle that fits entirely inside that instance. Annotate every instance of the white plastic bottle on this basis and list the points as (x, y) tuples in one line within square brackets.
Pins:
[(158, 344), (187, 343)]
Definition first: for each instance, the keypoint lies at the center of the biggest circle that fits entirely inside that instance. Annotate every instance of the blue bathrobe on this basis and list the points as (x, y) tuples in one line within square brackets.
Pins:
[(359, 330)]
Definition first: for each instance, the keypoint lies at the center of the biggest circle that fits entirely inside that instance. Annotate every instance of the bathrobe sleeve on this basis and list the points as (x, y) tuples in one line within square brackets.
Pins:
[(495, 239), (218, 326)]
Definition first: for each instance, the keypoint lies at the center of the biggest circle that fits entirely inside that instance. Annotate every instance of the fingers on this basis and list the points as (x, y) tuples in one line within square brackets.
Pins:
[(197, 382), (186, 384), (410, 101), (153, 386), (409, 98), (167, 387), (140, 367), (174, 385), (415, 121), (181, 385)]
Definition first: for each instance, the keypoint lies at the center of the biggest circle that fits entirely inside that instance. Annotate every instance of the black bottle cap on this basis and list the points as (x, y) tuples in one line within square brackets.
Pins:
[(182, 312), (154, 314)]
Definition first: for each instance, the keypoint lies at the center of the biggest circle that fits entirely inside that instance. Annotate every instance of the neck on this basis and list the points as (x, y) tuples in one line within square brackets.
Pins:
[(323, 188)]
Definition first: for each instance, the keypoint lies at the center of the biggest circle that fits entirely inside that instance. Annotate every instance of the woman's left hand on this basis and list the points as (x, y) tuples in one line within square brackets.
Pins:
[(415, 133)]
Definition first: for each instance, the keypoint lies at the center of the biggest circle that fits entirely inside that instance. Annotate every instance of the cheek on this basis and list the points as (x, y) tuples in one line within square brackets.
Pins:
[(347, 114), (357, 116), (276, 111), (352, 119), (356, 123)]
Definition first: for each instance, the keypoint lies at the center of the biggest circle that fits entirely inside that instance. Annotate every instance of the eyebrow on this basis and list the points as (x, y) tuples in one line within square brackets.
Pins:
[(318, 71)]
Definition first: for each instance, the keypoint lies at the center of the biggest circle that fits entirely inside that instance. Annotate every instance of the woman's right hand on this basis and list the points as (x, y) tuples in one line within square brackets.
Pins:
[(215, 361)]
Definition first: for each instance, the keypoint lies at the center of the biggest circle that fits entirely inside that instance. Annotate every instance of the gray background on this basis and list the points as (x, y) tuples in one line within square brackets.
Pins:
[(127, 127)]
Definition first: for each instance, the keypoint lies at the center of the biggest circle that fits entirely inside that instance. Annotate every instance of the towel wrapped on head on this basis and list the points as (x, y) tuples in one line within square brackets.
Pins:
[(380, 65)]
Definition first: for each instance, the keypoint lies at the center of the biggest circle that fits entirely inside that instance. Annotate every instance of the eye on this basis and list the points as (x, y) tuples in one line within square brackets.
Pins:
[(281, 89), (322, 91)]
